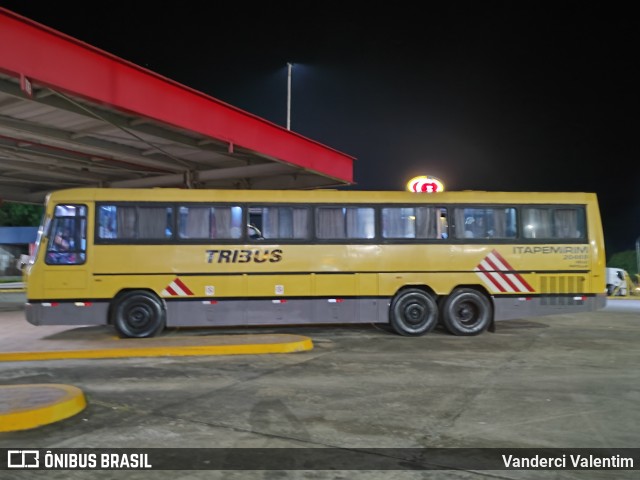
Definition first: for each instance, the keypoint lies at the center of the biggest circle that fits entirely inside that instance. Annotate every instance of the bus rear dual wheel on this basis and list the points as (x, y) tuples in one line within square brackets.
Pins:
[(138, 314), (415, 312)]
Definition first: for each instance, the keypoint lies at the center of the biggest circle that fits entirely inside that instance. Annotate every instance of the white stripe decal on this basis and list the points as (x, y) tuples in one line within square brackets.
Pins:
[(484, 278), (174, 290), (495, 274), (498, 277), (496, 261), (517, 283)]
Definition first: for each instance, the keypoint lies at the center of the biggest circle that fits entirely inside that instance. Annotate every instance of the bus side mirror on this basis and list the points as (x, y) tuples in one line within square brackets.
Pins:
[(23, 260)]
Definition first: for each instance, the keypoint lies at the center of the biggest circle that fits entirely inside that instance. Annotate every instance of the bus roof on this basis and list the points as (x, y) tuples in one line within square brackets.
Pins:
[(321, 196)]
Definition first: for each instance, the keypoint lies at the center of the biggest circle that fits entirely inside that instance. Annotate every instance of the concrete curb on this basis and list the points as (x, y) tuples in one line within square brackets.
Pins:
[(170, 347), (23, 407)]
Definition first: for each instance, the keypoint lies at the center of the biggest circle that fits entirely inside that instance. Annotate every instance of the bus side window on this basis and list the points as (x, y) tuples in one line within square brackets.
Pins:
[(280, 222), (486, 222), (253, 233), (566, 222), (414, 222), (204, 222), (468, 227), (443, 227), (106, 221)]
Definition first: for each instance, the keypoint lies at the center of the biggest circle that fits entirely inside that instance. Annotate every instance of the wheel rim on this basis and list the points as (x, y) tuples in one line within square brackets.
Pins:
[(139, 316), (467, 313), (414, 313)]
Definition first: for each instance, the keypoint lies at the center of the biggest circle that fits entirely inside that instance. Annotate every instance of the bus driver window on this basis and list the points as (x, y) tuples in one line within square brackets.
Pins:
[(67, 241)]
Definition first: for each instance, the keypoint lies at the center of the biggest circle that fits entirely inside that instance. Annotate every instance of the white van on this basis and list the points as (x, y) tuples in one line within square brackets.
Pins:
[(617, 282)]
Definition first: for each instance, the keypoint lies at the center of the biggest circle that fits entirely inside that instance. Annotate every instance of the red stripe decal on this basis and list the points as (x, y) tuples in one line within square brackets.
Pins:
[(502, 275), (171, 291), (502, 260), (517, 275), (182, 286), (491, 279), (524, 282)]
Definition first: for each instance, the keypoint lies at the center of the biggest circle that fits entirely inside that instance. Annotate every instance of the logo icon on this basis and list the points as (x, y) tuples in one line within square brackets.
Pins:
[(425, 184), (23, 459)]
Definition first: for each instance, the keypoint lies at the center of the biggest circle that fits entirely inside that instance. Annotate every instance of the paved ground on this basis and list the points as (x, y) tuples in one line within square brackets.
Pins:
[(567, 381)]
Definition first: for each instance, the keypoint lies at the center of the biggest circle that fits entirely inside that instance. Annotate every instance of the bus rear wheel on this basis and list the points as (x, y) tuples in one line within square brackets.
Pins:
[(138, 314), (413, 312), (466, 312)]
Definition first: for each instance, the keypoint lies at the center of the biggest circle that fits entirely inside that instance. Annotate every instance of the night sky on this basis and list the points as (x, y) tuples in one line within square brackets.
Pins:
[(537, 96)]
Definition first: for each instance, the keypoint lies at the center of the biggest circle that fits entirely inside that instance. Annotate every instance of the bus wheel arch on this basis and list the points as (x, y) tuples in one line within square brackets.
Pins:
[(137, 313), (413, 311), (467, 310)]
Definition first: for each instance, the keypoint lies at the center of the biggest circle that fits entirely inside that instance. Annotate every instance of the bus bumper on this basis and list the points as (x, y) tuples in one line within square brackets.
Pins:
[(67, 313), (512, 307)]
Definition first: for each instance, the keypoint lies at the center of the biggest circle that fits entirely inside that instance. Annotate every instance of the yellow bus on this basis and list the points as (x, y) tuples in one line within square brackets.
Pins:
[(146, 259)]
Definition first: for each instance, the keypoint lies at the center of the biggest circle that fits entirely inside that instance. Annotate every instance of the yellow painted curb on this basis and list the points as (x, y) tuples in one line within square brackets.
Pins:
[(163, 351), (45, 404)]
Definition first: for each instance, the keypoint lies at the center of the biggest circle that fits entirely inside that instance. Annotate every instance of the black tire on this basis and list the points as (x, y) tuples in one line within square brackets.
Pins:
[(466, 312), (138, 314), (610, 289), (413, 312)]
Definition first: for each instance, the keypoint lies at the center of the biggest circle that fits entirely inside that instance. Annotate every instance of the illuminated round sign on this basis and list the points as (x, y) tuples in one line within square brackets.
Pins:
[(425, 184)]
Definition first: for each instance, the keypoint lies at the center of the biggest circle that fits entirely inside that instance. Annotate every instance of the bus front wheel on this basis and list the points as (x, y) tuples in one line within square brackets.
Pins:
[(413, 312), (138, 314), (466, 312)]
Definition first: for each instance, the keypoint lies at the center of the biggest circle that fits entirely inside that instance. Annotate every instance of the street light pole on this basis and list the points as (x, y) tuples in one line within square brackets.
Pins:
[(289, 68), (638, 255)]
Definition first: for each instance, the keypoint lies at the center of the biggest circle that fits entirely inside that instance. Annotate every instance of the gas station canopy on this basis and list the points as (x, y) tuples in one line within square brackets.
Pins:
[(72, 115)]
